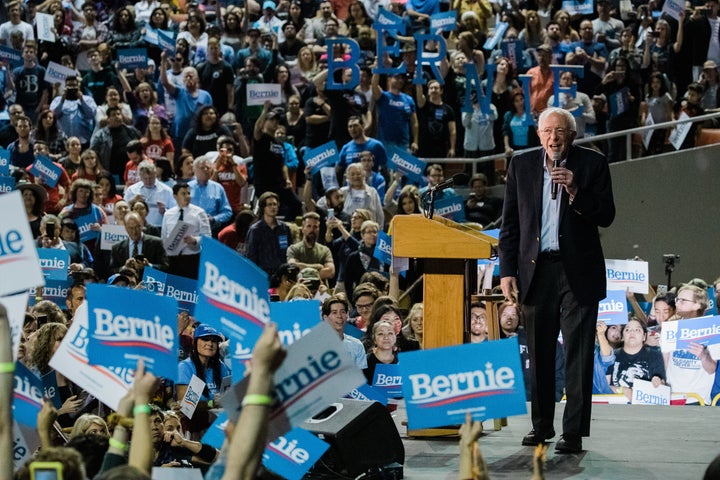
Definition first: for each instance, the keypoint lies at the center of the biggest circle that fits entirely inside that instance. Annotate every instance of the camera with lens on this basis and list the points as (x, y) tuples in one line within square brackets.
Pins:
[(671, 259)]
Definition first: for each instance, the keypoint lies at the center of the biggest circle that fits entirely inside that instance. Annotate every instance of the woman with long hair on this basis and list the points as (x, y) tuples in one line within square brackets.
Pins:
[(407, 203), (233, 35), (295, 15), (659, 52), (203, 137), (518, 129), (47, 130), (295, 119), (89, 167), (88, 216), (307, 66), (205, 363), (357, 17), (658, 105), (282, 78), (413, 328), (159, 20), (34, 197), (533, 34), (157, 142), (567, 32), (124, 32)]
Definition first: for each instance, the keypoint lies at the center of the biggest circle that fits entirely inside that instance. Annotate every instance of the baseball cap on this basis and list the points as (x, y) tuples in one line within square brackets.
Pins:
[(118, 277), (202, 331), (269, 4), (309, 274)]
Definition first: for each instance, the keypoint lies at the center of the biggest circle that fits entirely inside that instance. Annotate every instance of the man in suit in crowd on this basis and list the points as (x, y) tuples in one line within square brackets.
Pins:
[(138, 250), (551, 261)]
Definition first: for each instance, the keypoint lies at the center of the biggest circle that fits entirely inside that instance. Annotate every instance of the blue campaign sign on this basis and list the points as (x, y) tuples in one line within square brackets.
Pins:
[(325, 155), (4, 161), (513, 51), (54, 290), (7, 184), (712, 306), (12, 56), (500, 29), (452, 207), (44, 168), (27, 396), (291, 455), (232, 297), (388, 20), (383, 248), (50, 388), (125, 325), (54, 263), (132, 58), (578, 7), (166, 41), (85, 224), (353, 331), (445, 21), (441, 385), (215, 435), (613, 310), (402, 161), (618, 102), (702, 330), (182, 289), (388, 379), (295, 319), (366, 393)]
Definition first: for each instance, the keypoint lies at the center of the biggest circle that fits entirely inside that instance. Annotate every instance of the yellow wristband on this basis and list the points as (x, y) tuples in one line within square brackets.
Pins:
[(255, 399), (7, 367), (118, 444), (141, 409), (619, 390)]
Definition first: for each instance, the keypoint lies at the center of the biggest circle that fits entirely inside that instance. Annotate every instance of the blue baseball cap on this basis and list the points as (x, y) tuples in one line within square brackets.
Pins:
[(203, 330)]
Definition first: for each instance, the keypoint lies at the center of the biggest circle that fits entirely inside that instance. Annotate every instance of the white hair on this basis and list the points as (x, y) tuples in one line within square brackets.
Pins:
[(569, 119)]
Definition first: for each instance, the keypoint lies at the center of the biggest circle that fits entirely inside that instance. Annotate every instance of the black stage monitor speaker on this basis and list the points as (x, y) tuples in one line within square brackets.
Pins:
[(362, 436)]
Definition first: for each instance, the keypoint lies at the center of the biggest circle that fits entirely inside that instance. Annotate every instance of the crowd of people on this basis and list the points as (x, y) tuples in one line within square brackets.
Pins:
[(177, 141)]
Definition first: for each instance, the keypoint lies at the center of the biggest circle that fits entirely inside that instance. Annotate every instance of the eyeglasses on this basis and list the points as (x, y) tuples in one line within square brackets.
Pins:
[(366, 306), (681, 300), (561, 132)]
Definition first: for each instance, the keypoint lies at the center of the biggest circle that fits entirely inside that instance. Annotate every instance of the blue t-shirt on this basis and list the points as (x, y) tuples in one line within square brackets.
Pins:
[(186, 106), (519, 131), (186, 369), (350, 153), (394, 113)]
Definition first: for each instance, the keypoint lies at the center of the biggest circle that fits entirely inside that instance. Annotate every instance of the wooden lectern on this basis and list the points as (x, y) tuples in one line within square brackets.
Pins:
[(445, 246)]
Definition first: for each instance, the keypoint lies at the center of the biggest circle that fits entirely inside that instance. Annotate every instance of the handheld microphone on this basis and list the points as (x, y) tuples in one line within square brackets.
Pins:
[(556, 163), (457, 179)]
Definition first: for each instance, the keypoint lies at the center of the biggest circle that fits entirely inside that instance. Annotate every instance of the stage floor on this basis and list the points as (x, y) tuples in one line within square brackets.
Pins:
[(627, 443)]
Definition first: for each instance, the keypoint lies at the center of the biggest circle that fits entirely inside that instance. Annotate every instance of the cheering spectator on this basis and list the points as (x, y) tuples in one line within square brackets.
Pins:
[(692, 369), (634, 361)]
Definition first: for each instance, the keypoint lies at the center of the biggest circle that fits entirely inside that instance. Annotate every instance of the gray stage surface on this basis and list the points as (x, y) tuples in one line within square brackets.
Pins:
[(627, 443)]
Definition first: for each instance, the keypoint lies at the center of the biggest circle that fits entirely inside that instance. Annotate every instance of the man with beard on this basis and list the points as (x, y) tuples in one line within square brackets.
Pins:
[(308, 253), (290, 48), (555, 40)]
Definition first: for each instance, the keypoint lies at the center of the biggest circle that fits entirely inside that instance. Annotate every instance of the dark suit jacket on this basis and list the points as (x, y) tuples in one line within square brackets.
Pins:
[(593, 207), (152, 248)]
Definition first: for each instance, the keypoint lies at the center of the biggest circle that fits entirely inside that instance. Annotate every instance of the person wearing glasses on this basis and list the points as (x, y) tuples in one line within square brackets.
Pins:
[(552, 264), (692, 369), (478, 323)]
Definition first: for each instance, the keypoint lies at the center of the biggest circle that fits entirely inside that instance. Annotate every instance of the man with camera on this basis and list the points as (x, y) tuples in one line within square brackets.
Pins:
[(75, 112)]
